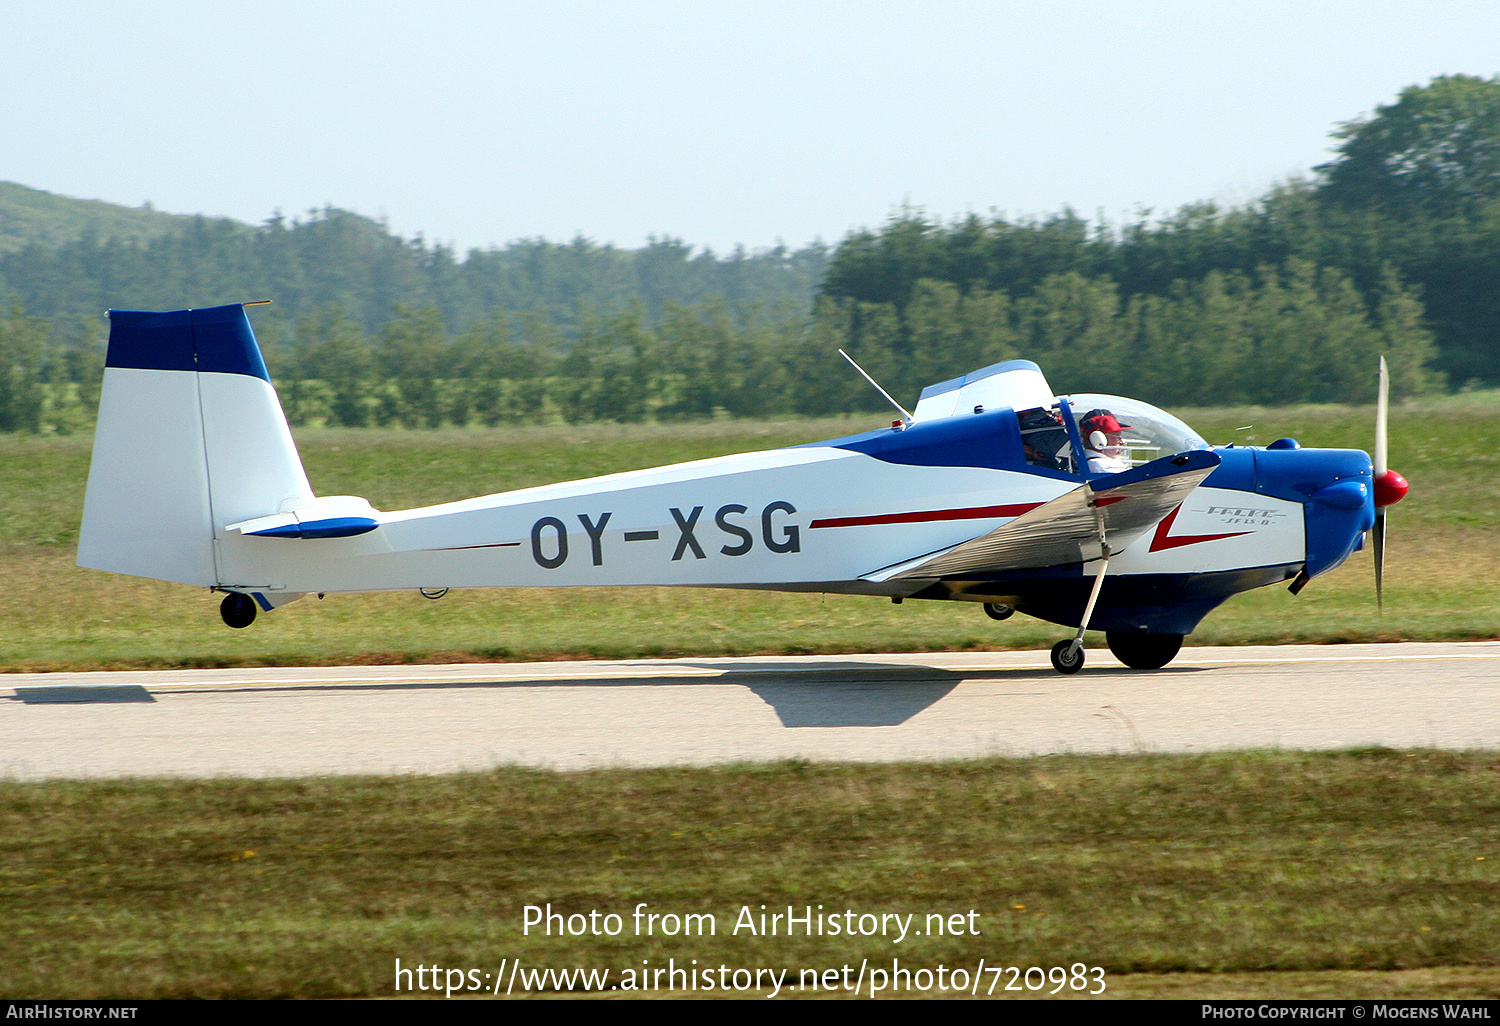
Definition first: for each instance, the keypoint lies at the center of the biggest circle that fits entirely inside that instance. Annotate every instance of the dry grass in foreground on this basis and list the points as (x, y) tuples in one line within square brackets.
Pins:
[(1261, 874)]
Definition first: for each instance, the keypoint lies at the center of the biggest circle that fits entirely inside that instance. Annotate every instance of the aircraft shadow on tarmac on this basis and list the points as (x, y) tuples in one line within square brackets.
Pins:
[(842, 694), (822, 694), (54, 694), (815, 693), (849, 703)]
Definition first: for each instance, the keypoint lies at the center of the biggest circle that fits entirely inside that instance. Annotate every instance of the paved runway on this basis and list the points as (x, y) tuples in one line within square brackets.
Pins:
[(435, 719)]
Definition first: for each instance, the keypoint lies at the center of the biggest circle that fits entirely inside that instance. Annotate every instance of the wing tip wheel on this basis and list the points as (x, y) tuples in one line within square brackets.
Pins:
[(1067, 656), (238, 610)]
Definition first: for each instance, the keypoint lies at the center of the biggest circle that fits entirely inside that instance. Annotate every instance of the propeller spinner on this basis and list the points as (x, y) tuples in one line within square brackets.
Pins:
[(1390, 487)]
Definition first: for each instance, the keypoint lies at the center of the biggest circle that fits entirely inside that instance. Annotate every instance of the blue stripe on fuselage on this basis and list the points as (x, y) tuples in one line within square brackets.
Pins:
[(991, 439)]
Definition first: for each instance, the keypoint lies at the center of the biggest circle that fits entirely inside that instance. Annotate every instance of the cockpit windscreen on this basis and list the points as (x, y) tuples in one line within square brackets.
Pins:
[(1148, 433)]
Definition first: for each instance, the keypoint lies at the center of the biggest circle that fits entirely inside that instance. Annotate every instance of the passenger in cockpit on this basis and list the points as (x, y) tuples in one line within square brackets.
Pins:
[(1044, 438)]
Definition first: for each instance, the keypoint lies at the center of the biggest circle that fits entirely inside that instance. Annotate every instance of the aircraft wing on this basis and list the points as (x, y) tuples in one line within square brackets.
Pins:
[(1066, 530)]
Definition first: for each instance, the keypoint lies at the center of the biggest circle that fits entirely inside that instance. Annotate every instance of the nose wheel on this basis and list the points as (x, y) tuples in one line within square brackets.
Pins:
[(1067, 656)]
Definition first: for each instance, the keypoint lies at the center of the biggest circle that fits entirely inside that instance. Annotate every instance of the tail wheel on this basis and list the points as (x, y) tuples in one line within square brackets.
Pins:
[(1143, 651), (237, 610)]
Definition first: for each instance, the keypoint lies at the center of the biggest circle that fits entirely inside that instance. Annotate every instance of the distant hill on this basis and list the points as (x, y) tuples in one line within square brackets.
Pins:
[(32, 215), (65, 259)]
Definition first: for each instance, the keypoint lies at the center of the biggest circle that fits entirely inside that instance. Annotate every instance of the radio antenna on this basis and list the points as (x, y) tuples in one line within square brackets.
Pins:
[(877, 387)]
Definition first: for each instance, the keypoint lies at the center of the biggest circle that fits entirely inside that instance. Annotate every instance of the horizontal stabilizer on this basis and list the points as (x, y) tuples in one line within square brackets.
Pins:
[(332, 516), (1066, 530)]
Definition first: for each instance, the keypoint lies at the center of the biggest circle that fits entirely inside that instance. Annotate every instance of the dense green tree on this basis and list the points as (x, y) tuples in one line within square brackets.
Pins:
[(330, 348), (413, 355), (1404, 339), (1435, 150), (23, 343), (821, 382), (947, 327)]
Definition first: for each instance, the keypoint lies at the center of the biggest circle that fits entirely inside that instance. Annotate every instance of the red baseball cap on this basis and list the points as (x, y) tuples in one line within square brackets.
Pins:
[(1103, 420)]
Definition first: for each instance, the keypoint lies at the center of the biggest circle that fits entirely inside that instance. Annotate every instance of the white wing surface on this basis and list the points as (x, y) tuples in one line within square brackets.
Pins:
[(1066, 530)]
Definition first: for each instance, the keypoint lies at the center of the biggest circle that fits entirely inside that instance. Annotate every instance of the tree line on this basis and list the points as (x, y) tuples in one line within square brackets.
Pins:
[(1413, 193), (1391, 248), (335, 257), (1295, 333)]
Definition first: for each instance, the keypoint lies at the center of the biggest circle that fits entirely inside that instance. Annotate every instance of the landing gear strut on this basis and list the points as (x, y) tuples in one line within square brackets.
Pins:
[(1067, 656), (238, 610), (1143, 651)]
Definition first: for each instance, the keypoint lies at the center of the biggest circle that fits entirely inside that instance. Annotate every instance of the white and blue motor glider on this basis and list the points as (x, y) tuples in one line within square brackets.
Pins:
[(994, 491)]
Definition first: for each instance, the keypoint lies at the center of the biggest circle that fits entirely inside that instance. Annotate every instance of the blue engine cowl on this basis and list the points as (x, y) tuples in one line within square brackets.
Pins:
[(1335, 487)]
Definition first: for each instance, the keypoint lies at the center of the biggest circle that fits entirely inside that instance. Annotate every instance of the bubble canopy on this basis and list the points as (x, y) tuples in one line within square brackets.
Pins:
[(1150, 433)]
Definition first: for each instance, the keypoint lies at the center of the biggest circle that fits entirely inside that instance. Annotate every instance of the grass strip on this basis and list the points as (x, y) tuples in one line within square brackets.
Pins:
[(1245, 869)]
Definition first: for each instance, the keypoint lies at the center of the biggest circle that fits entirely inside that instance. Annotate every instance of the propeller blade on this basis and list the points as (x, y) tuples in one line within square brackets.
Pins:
[(1382, 410), (1377, 535), (1382, 406)]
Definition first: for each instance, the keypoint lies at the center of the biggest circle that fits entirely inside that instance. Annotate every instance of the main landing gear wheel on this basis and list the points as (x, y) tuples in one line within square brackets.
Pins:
[(1066, 657), (237, 610), (1143, 651)]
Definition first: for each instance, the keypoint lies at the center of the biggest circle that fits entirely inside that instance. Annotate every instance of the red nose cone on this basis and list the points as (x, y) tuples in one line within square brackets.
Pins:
[(1390, 488)]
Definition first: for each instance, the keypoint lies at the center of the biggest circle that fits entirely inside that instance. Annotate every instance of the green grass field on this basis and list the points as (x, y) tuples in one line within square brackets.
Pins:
[(1444, 559), (1373, 874), (1256, 875)]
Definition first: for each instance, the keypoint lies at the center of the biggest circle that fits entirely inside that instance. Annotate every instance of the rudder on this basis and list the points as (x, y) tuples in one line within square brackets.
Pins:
[(191, 437)]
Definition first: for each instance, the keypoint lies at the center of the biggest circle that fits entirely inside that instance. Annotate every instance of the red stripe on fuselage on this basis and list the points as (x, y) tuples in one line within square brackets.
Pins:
[(927, 516)]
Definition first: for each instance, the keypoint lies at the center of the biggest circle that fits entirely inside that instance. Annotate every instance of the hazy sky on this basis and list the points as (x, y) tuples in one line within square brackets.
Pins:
[(719, 123)]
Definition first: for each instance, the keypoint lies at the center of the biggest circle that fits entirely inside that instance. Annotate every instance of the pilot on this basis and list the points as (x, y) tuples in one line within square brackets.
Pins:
[(1103, 445)]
